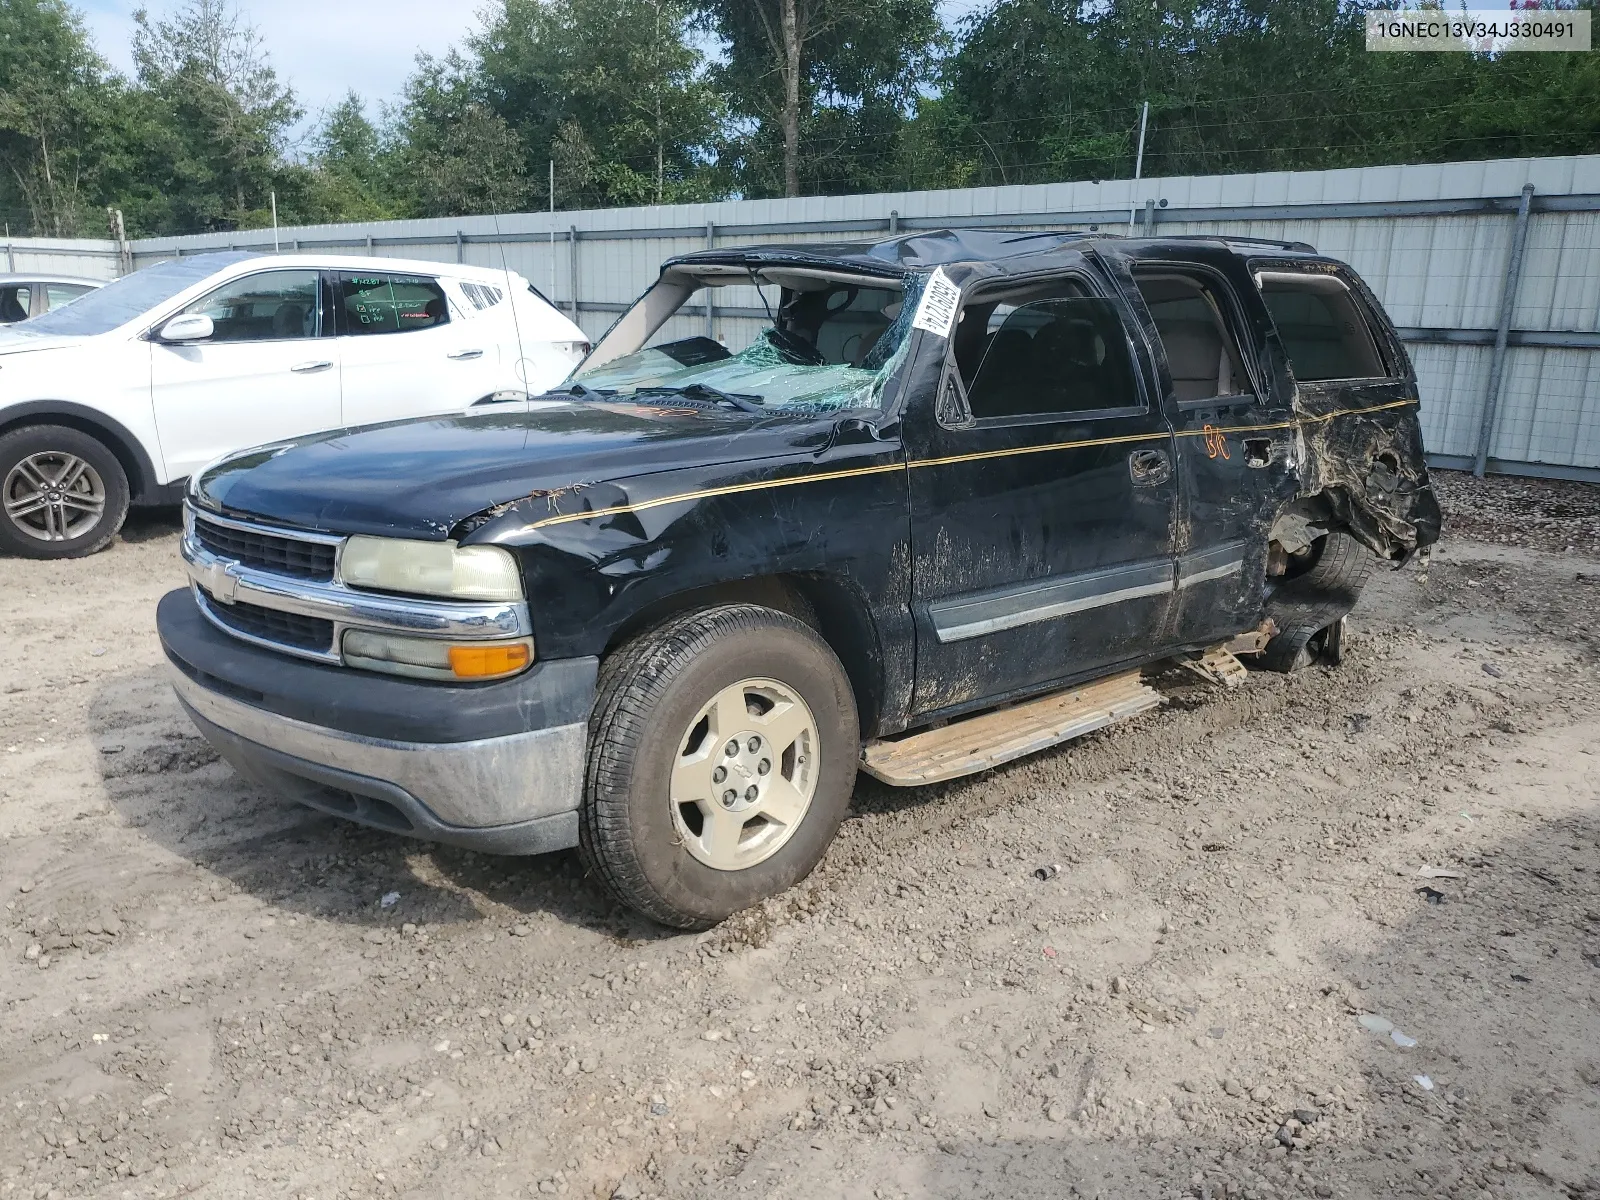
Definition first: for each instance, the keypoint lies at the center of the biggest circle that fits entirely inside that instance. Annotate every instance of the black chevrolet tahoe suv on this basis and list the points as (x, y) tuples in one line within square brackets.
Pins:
[(949, 497)]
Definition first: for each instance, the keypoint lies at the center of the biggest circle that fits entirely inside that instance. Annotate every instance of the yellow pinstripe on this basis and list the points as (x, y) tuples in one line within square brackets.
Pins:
[(978, 456)]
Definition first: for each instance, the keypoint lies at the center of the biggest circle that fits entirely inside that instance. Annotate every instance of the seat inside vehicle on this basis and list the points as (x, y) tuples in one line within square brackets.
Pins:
[(1201, 353)]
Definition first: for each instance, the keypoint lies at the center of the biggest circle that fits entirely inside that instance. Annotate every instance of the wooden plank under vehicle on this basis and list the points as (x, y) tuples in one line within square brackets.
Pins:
[(991, 738)]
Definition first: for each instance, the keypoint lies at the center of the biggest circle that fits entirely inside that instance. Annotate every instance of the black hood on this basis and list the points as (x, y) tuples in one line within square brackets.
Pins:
[(420, 478)]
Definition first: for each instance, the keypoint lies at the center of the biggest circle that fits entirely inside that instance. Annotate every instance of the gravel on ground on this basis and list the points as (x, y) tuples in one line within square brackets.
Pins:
[(1330, 934)]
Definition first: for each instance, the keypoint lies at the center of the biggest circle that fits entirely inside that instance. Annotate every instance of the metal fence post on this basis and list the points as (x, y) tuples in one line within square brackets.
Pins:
[(11, 256), (1149, 218), (369, 244), (1508, 304), (711, 308), (894, 222), (572, 262), (461, 244)]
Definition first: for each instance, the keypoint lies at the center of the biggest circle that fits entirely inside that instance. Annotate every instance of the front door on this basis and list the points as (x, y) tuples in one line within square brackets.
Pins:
[(266, 373), (1043, 498)]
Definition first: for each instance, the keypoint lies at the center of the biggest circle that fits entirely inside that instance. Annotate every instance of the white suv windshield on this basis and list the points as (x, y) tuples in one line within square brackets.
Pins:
[(103, 309), (811, 342)]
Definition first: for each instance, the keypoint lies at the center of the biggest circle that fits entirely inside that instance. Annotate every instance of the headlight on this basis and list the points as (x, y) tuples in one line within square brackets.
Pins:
[(430, 658), (430, 569)]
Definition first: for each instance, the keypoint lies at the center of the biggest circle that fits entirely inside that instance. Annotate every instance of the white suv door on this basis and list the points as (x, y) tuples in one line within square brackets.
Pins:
[(402, 355), (267, 372)]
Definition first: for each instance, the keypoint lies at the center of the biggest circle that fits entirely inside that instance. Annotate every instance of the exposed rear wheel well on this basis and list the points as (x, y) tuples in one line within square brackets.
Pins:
[(827, 605)]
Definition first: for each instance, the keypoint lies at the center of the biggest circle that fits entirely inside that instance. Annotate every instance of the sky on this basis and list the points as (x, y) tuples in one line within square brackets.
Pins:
[(326, 48), (323, 48)]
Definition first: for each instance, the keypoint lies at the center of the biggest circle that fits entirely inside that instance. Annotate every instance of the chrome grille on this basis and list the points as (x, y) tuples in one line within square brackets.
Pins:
[(273, 625), (269, 551)]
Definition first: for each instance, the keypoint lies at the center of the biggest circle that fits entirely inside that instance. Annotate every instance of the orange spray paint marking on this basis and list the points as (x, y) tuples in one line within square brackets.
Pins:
[(1216, 442)]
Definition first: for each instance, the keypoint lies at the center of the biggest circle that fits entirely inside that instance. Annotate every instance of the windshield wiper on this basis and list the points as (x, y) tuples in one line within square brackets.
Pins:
[(581, 391), (704, 391)]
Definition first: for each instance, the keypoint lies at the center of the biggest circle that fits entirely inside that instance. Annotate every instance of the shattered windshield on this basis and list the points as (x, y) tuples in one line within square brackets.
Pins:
[(784, 339)]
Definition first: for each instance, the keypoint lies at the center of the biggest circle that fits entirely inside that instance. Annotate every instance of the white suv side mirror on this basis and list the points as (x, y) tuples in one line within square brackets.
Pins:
[(188, 327)]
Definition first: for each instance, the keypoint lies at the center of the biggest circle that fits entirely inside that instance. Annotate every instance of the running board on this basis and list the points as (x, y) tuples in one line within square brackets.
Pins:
[(978, 743)]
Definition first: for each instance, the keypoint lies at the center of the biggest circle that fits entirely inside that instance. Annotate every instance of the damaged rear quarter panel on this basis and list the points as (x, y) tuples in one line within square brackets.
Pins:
[(1362, 439)]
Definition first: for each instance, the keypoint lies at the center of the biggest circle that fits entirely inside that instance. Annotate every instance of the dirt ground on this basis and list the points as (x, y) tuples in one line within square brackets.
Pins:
[(1334, 934)]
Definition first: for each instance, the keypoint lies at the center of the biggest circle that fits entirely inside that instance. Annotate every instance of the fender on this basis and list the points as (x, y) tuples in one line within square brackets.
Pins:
[(144, 482)]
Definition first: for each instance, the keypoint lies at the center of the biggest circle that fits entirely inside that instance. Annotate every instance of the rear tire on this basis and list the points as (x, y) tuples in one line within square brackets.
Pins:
[(1306, 606), (693, 809), (63, 494)]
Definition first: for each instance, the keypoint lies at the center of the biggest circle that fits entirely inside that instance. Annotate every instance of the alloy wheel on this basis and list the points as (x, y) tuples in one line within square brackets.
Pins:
[(54, 496), (745, 774)]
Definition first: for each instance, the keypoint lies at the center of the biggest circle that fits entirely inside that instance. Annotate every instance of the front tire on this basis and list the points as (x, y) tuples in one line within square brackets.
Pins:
[(63, 494), (722, 757)]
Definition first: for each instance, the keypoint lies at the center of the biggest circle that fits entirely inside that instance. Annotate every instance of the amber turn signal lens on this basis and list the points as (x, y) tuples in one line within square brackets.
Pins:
[(484, 662)]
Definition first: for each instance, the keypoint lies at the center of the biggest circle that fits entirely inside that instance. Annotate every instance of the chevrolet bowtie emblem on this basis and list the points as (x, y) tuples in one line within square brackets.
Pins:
[(221, 582)]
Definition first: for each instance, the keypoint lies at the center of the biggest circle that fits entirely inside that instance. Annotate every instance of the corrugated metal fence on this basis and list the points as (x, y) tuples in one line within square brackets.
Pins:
[(1491, 269)]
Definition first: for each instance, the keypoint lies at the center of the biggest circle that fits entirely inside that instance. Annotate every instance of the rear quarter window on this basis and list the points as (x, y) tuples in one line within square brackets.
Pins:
[(1324, 327)]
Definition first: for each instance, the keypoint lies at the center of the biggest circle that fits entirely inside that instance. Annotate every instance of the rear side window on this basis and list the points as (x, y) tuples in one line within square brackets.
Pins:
[(1323, 327), (1060, 355), (15, 301), (58, 294), (391, 303)]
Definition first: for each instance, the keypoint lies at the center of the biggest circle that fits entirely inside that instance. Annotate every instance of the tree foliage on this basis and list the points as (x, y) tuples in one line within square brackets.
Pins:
[(656, 101)]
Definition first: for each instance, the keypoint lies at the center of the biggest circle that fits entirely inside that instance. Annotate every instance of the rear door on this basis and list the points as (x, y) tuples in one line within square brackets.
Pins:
[(1043, 497), (404, 353), (268, 371), (1227, 395)]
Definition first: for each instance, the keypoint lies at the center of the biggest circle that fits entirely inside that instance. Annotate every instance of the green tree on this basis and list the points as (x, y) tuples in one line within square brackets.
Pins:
[(348, 174), (215, 117), (820, 89), (1041, 90), (454, 153), (612, 91), (56, 95)]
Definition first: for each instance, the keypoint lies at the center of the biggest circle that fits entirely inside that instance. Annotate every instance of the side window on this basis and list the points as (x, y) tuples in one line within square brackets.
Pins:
[(57, 294), (1057, 355), (391, 303), (1195, 331), (271, 306), (479, 295), (15, 301), (1322, 326)]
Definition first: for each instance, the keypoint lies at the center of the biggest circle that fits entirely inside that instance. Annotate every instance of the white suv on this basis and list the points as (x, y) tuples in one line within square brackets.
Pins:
[(119, 397)]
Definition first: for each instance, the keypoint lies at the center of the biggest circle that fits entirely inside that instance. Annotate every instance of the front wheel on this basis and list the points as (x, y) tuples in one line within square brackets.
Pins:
[(722, 756), (63, 494)]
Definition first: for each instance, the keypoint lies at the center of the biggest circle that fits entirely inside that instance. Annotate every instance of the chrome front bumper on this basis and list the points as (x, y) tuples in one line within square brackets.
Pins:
[(496, 781)]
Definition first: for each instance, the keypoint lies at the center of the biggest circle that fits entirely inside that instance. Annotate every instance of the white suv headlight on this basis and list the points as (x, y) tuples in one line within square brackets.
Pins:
[(430, 569)]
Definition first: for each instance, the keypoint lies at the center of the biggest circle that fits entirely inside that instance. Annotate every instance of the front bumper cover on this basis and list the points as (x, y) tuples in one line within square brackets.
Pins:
[(392, 753)]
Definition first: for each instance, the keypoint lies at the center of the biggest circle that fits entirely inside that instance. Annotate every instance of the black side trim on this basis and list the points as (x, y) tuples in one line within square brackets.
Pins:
[(1217, 562), (993, 609), (559, 692), (378, 803)]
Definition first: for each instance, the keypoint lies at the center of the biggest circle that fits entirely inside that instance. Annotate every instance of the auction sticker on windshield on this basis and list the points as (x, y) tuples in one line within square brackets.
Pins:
[(936, 312)]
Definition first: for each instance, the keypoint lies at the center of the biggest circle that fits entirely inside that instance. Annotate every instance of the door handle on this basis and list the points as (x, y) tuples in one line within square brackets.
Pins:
[(459, 355), (307, 368), (1149, 467)]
